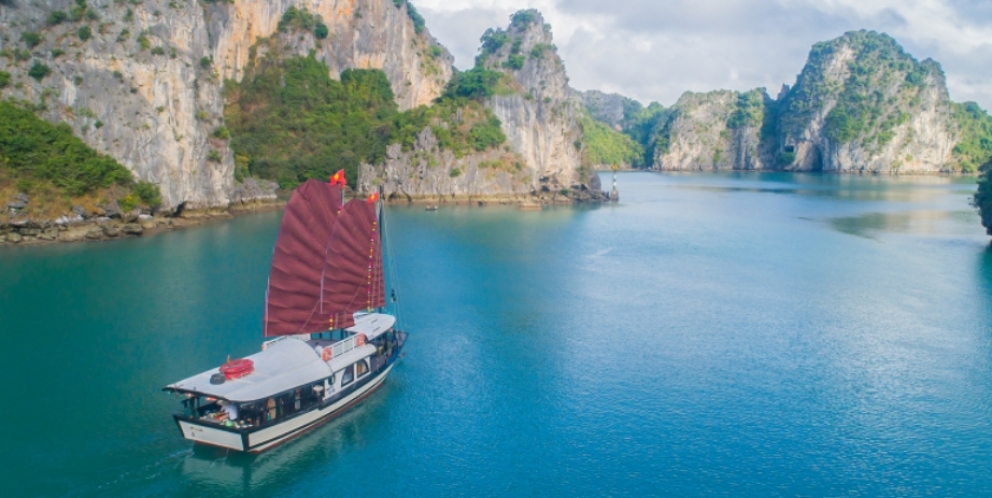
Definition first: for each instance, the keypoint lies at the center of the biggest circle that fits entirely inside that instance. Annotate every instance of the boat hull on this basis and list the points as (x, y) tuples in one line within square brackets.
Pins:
[(264, 438)]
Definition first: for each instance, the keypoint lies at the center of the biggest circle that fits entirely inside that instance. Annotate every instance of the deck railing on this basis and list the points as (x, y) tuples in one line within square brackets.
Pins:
[(343, 347)]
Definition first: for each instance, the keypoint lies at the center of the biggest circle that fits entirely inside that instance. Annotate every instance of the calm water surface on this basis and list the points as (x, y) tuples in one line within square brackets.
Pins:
[(712, 335)]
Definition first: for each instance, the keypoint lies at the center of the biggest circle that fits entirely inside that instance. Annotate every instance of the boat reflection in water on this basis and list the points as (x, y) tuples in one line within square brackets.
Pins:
[(331, 343)]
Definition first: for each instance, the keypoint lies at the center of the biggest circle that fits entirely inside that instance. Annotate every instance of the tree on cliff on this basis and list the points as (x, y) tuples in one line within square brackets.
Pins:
[(983, 198)]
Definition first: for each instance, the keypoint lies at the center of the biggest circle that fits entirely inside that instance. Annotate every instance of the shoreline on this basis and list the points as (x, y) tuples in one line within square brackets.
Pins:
[(102, 229), (36, 233), (39, 233), (922, 174)]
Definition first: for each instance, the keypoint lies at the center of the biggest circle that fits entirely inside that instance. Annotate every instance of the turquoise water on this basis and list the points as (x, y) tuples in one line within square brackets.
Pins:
[(712, 335)]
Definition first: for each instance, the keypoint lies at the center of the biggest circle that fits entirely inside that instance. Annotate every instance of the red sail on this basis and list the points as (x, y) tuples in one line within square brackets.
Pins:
[(353, 273), (293, 299)]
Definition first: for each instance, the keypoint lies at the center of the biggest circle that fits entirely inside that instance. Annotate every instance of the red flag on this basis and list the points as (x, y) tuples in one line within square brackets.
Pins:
[(374, 198), (339, 179)]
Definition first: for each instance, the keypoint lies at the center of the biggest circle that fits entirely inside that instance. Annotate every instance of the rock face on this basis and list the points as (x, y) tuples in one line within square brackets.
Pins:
[(363, 34), (717, 130), (143, 83), (540, 119), (608, 108), (863, 104), (429, 172), (538, 114)]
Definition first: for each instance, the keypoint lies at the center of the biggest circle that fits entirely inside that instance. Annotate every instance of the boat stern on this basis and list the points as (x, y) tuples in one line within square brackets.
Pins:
[(210, 435)]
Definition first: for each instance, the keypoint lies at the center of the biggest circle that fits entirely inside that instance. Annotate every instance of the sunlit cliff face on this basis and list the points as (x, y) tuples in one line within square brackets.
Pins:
[(152, 74)]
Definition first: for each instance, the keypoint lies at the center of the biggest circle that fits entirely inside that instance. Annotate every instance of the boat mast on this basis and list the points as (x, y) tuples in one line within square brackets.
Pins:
[(380, 213)]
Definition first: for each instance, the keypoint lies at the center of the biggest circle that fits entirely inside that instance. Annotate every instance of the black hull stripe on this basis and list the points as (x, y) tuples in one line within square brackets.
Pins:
[(356, 386), (312, 425)]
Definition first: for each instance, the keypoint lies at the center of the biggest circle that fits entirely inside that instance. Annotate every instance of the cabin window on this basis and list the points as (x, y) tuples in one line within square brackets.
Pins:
[(348, 375), (361, 368)]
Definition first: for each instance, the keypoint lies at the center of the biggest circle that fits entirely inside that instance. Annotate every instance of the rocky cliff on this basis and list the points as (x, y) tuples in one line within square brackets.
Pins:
[(719, 130), (538, 114), (428, 171), (540, 118), (861, 104), (142, 81), (619, 112), (610, 109)]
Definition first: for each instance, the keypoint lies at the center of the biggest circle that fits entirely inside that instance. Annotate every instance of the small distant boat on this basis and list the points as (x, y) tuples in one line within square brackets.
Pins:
[(530, 206), (432, 208), (330, 342)]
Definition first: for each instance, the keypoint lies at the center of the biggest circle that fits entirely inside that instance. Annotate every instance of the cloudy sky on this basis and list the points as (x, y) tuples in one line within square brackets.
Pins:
[(657, 49)]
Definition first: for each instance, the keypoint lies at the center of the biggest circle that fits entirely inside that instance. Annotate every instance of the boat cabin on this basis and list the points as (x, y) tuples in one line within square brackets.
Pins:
[(291, 376)]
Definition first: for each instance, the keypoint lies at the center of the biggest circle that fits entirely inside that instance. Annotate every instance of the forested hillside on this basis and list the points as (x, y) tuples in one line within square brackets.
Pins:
[(289, 121)]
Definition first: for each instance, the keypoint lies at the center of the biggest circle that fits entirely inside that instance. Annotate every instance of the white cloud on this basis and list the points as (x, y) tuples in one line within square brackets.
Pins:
[(655, 50)]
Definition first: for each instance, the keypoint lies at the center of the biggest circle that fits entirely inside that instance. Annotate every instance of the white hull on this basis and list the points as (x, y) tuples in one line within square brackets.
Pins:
[(268, 437)]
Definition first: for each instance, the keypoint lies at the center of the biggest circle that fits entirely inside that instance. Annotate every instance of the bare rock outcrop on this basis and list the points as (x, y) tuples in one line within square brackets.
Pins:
[(429, 172), (713, 131), (540, 118), (611, 109)]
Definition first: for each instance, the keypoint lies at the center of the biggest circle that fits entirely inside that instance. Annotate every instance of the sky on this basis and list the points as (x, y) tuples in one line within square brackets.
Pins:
[(654, 50)]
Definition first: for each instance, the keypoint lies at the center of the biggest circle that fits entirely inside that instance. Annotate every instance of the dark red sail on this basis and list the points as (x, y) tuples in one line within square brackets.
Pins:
[(353, 273), (293, 299)]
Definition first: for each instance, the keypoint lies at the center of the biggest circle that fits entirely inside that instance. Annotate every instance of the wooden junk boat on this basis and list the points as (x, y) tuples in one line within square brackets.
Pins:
[(330, 343)]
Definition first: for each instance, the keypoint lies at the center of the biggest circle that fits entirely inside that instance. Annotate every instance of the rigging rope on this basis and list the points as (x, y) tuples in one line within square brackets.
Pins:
[(394, 282)]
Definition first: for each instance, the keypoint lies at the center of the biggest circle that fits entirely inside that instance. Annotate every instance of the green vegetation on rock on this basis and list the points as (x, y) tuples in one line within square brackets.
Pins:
[(304, 20), (983, 198), (523, 18), (604, 146), (31, 38), (539, 50), (477, 83), (643, 125), (492, 40), (515, 62), (750, 110), (57, 17), (486, 134), (36, 155), (320, 31), (289, 121), (38, 71), (294, 18), (866, 109), (974, 147), (419, 23)]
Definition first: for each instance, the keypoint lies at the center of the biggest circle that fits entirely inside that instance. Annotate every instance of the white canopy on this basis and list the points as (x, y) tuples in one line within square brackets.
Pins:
[(373, 324), (284, 365)]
